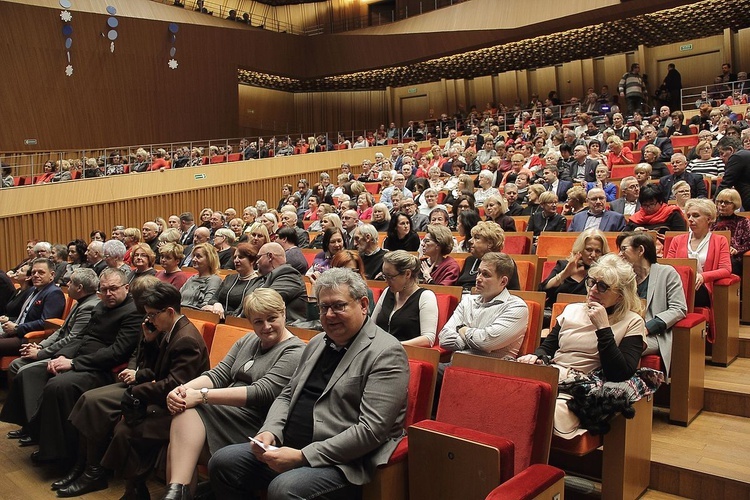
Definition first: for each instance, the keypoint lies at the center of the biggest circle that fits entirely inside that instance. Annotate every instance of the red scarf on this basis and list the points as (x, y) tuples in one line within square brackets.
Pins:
[(658, 217)]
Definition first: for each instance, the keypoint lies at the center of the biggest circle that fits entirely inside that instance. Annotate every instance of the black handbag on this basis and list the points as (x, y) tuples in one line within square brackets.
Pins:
[(133, 409)]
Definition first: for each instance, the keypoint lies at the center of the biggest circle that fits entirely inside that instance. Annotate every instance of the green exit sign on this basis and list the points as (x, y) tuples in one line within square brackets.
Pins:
[(412, 90), (686, 47), (199, 176)]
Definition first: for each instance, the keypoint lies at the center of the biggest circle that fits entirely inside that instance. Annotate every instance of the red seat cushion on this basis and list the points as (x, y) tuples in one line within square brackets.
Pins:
[(528, 398)]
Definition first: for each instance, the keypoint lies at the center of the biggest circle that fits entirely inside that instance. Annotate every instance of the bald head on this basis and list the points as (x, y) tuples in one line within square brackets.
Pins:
[(270, 256), (201, 235), (150, 231)]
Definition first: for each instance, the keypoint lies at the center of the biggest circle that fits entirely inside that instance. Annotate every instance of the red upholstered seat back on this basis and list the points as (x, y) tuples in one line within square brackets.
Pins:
[(376, 293), (207, 329), (688, 284), (420, 387), (446, 305), (516, 244), (509, 407), (531, 340)]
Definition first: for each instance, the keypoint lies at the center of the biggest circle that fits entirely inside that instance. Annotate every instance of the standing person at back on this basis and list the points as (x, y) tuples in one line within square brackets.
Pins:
[(632, 88)]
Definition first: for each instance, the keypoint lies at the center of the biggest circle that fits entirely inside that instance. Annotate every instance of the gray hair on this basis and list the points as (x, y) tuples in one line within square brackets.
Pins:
[(43, 245), (115, 248), (114, 271), (87, 278), (338, 277), (227, 233), (486, 173), (627, 180), (369, 230)]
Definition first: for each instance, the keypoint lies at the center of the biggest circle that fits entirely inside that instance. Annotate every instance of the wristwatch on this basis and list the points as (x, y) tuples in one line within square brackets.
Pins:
[(204, 395), (72, 364)]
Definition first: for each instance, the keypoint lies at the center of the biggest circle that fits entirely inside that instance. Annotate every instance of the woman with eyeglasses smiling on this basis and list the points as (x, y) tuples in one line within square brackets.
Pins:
[(727, 202), (405, 310), (660, 286), (606, 332)]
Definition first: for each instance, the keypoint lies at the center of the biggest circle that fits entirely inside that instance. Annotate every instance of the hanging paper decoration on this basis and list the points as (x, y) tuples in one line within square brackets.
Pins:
[(112, 24), (173, 29), (66, 17)]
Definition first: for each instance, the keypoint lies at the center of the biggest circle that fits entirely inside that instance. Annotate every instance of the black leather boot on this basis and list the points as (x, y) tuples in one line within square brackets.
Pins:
[(94, 478), (177, 491), (73, 474)]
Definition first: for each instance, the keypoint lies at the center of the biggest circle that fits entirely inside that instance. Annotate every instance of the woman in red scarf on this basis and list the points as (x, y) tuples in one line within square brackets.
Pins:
[(655, 214)]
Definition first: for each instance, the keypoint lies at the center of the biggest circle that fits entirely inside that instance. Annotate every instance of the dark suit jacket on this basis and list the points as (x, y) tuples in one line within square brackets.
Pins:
[(187, 238), (108, 340), (420, 222), (562, 189), (589, 169), (737, 175), (163, 366), (618, 205), (7, 290), (697, 187), (99, 267), (48, 303), (665, 145), (358, 419), (74, 325), (611, 221)]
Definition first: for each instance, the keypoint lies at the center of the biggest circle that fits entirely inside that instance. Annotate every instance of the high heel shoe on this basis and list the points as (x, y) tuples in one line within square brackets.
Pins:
[(177, 491)]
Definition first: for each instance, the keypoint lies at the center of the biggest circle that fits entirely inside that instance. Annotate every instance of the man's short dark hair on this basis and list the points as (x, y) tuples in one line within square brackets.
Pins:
[(43, 260), (727, 142), (566, 147), (187, 217), (288, 234), (162, 295)]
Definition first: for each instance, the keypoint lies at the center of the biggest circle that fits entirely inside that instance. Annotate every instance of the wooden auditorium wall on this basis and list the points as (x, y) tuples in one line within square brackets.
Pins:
[(571, 79), (61, 212), (129, 96), (264, 111)]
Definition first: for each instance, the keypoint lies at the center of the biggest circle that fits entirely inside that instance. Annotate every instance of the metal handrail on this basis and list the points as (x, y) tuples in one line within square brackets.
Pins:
[(716, 94)]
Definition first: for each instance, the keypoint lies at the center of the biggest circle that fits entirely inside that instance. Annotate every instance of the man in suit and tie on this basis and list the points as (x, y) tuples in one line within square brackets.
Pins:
[(340, 416), (553, 183), (628, 203), (349, 222), (82, 288), (582, 168), (187, 226), (596, 216), (663, 143), (45, 301), (679, 164)]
